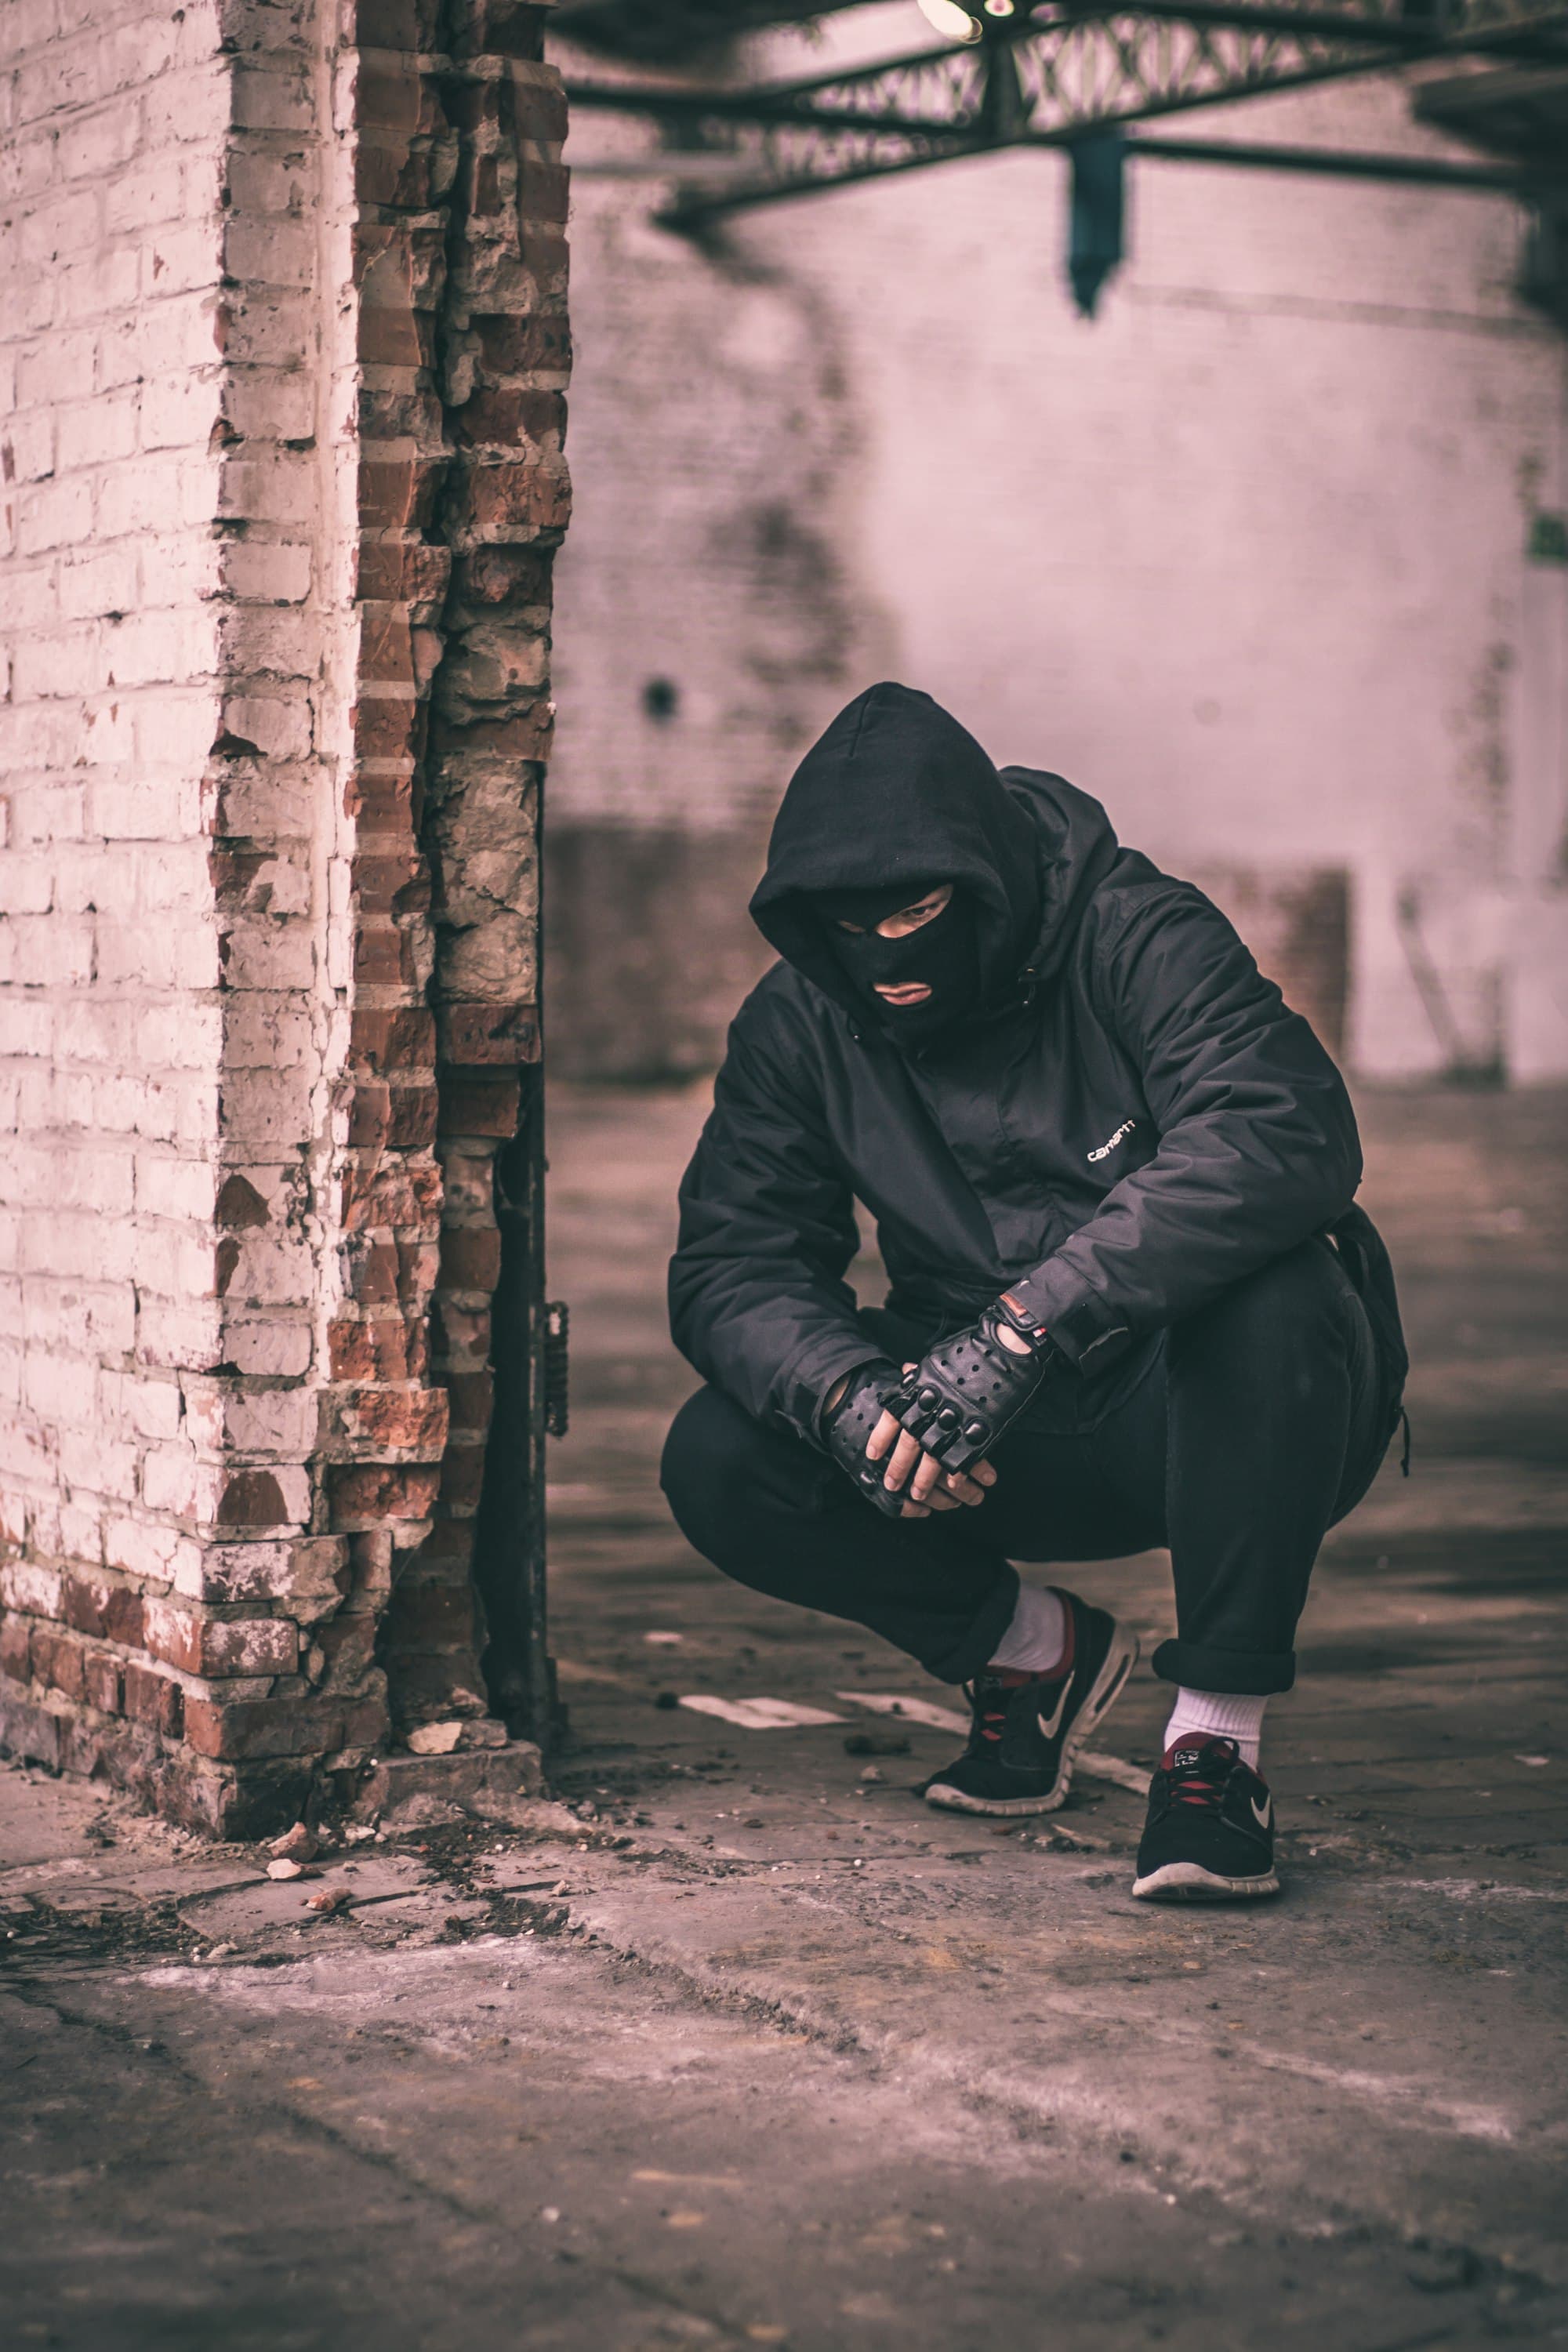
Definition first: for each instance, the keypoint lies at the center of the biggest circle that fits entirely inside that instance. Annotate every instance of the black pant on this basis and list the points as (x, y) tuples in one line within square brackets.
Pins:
[(1247, 1430)]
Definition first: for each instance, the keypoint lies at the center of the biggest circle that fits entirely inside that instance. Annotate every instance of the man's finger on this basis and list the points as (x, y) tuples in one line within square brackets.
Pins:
[(963, 1487), (905, 1455), (927, 1479), (881, 1437), (939, 1499), (915, 1511)]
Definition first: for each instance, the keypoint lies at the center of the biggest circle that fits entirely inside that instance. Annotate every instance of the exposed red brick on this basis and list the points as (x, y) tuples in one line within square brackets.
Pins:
[(423, 1616), (505, 414), (396, 493), (470, 1257), (396, 882), (546, 196), (240, 1204), (478, 1106), (540, 111), (156, 1700), (404, 1194), (504, 575), (473, 1036), (348, 1643), (252, 1498), (392, 1038), (372, 1273), (225, 1263), (409, 1418), (414, 1110), (105, 1681), (501, 498), (383, 956), (386, 727), (521, 346), (370, 1117), (462, 1478), (471, 1397), (15, 1649), (402, 571), (236, 1729), (459, 1336), (365, 1494), (60, 1661), (397, 24), (387, 646), (113, 1612), (525, 736), (382, 1347), (216, 1646)]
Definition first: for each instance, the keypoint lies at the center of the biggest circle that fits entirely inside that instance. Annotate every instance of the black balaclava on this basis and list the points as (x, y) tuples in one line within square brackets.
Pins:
[(945, 954)]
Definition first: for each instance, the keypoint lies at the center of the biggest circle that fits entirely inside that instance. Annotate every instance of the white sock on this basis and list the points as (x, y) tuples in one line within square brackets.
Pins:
[(1222, 1715), (1038, 1635)]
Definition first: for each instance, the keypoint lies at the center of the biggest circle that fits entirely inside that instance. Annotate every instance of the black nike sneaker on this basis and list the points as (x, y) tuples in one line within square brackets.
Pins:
[(1027, 1729), (1210, 1833)]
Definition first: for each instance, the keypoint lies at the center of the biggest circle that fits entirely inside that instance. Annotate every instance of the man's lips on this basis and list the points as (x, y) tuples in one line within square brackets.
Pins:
[(908, 992)]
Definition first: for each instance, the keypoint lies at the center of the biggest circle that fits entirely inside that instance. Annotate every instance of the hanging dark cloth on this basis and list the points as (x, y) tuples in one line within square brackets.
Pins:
[(1097, 215)]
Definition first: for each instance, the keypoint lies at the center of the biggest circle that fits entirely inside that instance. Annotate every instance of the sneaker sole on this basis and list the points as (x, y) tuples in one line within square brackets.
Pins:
[(1189, 1882), (1119, 1661)]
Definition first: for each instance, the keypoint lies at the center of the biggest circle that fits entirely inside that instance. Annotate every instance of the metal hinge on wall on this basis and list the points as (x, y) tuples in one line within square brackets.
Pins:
[(557, 1379)]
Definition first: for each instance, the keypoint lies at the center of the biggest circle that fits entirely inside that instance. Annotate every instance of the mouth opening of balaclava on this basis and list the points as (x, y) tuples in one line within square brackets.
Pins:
[(943, 954)]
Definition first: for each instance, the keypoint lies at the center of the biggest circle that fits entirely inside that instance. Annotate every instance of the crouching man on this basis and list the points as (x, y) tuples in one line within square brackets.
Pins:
[(1132, 1303)]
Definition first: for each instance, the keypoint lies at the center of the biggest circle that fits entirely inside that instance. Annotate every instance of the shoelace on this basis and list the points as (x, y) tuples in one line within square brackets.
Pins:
[(1199, 1785), (989, 1715)]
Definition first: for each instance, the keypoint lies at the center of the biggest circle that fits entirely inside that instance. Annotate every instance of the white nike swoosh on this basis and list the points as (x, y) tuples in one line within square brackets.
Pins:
[(1055, 1725), (1262, 1814)]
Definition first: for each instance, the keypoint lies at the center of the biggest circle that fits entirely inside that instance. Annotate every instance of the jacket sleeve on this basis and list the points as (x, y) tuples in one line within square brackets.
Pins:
[(1258, 1142), (758, 1302)]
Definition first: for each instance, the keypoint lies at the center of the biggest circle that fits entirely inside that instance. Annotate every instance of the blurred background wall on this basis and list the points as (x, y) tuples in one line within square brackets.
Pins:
[(1268, 556)]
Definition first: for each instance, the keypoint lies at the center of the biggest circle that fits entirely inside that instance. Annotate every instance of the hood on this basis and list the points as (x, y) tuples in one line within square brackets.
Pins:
[(897, 791)]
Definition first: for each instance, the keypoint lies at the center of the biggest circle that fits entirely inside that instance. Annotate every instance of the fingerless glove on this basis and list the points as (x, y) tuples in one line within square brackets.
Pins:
[(967, 1390), (871, 1393)]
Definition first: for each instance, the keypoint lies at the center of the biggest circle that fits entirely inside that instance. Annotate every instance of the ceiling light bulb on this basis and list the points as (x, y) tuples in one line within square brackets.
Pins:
[(954, 23)]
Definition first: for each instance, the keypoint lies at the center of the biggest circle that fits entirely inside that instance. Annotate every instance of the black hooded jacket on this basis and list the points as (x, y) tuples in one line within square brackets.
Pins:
[(1136, 1120)]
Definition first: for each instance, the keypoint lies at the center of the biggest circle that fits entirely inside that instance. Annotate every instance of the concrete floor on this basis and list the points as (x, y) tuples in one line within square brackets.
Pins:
[(732, 2044)]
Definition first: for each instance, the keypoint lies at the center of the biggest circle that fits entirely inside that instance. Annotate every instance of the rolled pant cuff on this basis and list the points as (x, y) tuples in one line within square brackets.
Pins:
[(1253, 1673), (979, 1644)]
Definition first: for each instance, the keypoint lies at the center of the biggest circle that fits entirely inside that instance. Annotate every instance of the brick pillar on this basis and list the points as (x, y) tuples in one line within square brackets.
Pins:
[(233, 480), (465, 349)]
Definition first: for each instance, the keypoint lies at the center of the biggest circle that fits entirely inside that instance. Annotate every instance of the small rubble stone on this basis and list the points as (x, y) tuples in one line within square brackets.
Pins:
[(434, 1738), (297, 1844)]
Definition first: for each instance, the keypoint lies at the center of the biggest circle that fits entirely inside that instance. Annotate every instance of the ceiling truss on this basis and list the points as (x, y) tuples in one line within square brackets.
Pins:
[(1036, 80)]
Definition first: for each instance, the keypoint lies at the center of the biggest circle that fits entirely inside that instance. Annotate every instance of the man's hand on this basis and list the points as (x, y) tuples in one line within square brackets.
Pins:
[(860, 1432), (930, 1486), (969, 1389)]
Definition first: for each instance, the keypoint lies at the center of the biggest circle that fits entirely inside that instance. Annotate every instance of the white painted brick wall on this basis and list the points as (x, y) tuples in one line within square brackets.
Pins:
[(175, 635), (110, 241)]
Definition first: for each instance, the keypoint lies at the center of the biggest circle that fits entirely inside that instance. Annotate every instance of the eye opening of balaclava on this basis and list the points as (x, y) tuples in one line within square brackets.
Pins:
[(943, 953)]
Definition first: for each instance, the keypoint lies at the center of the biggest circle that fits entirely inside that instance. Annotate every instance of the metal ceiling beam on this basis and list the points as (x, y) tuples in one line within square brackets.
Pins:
[(663, 31), (1047, 84), (1339, 163)]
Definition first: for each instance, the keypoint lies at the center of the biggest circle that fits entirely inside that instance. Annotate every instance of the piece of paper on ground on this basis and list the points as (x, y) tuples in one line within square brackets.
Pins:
[(758, 1714)]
